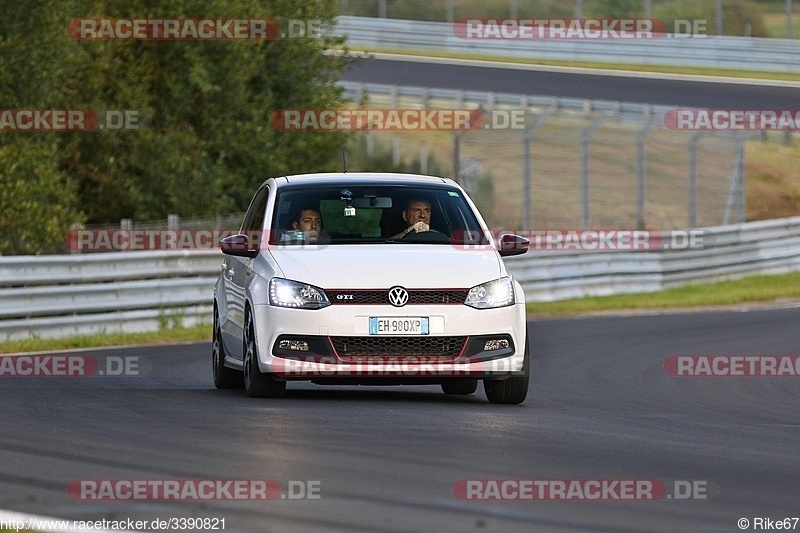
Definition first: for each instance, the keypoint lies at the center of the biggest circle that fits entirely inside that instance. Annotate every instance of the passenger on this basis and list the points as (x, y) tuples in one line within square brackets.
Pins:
[(306, 225)]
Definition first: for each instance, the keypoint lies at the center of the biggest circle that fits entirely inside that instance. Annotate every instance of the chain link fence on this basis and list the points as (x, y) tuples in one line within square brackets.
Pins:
[(596, 171), (575, 164)]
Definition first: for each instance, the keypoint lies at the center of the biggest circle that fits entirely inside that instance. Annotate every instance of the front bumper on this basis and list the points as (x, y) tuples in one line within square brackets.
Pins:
[(327, 332)]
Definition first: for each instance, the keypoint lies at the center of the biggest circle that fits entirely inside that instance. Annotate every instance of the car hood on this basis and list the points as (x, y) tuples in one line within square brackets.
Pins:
[(379, 266)]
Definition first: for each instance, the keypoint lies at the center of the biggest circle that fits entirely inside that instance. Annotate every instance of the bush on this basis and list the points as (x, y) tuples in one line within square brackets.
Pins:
[(39, 201)]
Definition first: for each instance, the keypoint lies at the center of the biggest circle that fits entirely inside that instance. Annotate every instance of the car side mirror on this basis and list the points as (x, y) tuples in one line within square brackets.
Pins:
[(238, 245), (511, 244)]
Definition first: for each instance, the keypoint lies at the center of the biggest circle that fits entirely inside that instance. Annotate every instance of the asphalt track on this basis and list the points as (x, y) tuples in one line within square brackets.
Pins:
[(601, 406), (598, 86)]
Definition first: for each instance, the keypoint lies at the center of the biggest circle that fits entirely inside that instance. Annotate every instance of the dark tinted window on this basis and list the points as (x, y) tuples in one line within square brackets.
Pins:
[(254, 218), (372, 214)]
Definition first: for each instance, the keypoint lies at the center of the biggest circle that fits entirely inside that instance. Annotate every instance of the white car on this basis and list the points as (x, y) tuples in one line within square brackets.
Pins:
[(369, 279)]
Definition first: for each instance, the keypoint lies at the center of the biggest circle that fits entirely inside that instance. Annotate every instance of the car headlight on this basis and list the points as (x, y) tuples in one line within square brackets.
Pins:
[(497, 293), (287, 293)]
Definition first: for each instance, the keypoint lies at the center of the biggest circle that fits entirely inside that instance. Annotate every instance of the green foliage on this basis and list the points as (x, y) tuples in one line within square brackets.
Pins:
[(38, 200), (171, 318), (205, 139), (766, 288), (200, 332)]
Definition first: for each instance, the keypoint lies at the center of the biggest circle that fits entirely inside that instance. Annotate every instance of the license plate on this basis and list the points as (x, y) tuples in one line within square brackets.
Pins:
[(399, 325)]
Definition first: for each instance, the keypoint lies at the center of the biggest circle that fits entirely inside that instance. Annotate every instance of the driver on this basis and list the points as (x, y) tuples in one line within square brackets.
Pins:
[(418, 217)]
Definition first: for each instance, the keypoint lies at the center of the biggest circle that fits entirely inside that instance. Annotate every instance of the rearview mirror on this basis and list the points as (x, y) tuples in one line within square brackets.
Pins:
[(372, 202), (511, 244), (238, 245)]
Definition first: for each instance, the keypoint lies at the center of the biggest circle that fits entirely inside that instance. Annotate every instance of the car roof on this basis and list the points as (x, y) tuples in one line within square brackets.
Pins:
[(353, 178)]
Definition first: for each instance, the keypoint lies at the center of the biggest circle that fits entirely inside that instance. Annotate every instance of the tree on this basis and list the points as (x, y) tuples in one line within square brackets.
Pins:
[(205, 139), (38, 200)]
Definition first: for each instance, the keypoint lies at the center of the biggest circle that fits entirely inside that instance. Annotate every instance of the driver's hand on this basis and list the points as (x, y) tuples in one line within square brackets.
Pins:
[(420, 227)]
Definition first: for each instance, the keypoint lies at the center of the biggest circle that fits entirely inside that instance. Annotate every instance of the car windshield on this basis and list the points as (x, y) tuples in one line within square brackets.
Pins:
[(374, 214)]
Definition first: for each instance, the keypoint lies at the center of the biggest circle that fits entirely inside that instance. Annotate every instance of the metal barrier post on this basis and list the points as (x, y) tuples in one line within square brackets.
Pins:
[(641, 139), (695, 140), (455, 156), (586, 136)]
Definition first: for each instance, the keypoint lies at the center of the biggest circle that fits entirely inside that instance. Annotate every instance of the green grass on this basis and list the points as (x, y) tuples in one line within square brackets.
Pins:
[(745, 290), (196, 333), (697, 71)]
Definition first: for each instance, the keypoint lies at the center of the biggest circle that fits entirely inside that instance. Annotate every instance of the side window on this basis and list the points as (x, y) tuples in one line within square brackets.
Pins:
[(254, 219)]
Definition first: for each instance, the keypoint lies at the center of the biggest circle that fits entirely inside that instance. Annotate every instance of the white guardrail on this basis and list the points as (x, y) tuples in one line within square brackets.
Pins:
[(749, 53), (65, 295), (630, 112), (57, 296)]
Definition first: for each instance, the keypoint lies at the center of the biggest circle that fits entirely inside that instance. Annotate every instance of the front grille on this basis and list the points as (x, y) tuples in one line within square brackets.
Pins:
[(398, 348), (381, 296)]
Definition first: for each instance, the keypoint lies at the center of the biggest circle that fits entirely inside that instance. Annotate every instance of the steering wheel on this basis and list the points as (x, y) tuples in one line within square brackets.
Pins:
[(432, 235)]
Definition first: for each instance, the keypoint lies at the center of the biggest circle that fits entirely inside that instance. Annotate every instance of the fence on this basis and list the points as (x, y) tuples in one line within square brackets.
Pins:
[(577, 163), (174, 222), (55, 296), (737, 53), (729, 252), (217, 225), (450, 10)]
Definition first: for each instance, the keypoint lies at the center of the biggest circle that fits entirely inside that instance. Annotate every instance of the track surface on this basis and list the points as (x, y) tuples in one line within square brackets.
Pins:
[(568, 85), (601, 406)]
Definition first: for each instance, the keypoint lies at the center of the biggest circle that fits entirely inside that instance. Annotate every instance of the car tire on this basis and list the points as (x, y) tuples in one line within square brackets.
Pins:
[(224, 377), (512, 390), (460, 386), (256, 383)]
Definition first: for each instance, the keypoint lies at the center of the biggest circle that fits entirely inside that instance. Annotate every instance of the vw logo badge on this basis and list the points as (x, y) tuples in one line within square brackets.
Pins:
[(398, 296)]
